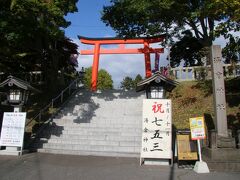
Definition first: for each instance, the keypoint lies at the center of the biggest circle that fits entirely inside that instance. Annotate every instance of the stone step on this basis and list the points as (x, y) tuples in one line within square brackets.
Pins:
[(92, 129), (100, 119), (89, 153), (95, 125), (100, 137), (83, 130), (99, 124), (129, 149), (83, 126), (97, 133), (103, 124), (95, 142), (101, 115), (113, 116)]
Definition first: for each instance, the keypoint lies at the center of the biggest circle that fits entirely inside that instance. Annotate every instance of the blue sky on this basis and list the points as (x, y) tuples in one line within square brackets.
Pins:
[(87, 22)]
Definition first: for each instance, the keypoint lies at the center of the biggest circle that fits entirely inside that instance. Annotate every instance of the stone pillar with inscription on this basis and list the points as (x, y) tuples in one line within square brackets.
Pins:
[(222, 147), (219, 91)]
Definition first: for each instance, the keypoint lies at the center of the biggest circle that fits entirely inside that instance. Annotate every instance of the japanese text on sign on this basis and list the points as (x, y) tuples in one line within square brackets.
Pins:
[(157, 129), (13, 129)]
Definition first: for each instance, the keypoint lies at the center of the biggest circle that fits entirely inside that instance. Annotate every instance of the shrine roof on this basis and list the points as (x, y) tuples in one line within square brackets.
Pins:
[(167, 83), (13, 81)]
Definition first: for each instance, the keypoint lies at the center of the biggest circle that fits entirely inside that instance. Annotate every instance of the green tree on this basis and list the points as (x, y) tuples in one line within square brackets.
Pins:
[(151, 17), (188, 49), (104, 79), (137, 79), (32, 36), (232, 49), (229, 8), (130, 18), (127, 83), (130, 83)]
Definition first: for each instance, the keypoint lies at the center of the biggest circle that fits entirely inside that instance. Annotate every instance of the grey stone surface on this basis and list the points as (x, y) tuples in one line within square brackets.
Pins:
[(219, 96), (104, 123), (40, 166)]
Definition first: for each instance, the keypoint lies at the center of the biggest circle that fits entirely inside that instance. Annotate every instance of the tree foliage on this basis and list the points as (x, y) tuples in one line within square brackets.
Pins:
[(32, 36), (130, 83), (137, 79), (229, 8), (153, 17), (104, 79), (188, 49), (231, 51), (207, 19), (127, 83)]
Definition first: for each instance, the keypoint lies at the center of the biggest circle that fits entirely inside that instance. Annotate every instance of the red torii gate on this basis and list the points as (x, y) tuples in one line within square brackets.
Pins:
[(97, 42)]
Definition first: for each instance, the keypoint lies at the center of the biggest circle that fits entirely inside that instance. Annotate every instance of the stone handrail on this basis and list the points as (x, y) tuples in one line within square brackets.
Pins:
[(203, 72)]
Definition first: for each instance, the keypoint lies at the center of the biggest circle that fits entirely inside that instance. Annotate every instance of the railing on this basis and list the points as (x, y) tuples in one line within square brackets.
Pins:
[(56, 102), (203, 72)]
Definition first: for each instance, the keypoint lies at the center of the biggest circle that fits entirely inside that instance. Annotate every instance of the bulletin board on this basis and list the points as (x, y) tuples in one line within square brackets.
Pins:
[(13, 126)]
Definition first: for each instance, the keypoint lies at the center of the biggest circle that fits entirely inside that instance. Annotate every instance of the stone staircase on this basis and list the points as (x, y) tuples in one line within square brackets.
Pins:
[(101, 124)]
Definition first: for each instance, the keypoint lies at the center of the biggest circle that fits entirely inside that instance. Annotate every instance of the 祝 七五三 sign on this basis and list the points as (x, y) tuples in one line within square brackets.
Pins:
[(157, 129)]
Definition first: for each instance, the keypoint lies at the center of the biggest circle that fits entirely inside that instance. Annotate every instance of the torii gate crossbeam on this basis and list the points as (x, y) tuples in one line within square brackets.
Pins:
[(97, 42)]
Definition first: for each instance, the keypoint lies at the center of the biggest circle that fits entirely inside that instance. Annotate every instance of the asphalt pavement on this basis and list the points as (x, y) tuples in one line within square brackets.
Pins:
[(39, 166)]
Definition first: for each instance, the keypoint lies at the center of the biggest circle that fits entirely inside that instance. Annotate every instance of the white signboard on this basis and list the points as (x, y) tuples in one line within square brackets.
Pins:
[(13, 129), (157, 129)]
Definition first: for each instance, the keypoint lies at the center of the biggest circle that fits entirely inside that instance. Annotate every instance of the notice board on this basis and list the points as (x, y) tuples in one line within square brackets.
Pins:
[(157, 129), (197, 127), (187, 149), (13, 129)]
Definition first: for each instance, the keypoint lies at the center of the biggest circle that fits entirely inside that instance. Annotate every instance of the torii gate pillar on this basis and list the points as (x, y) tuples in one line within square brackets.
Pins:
[(97, 42), (95, 67), (147, 60)]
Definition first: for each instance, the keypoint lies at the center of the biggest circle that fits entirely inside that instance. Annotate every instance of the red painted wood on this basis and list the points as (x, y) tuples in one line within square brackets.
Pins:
[(95, 67), (122, 51), (97, 42)]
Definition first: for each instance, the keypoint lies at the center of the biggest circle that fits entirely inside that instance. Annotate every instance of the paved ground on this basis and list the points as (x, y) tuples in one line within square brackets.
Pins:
[(38, 166)]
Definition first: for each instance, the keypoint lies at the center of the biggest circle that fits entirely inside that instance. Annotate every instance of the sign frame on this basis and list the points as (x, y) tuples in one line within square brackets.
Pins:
[(157, 130), (13, 128), (197, 128), (186, 148)]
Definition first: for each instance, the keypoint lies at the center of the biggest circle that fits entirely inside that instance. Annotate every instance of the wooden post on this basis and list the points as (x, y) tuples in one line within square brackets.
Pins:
[(193, 74), (147, 60), (180, 74), (186, 72)]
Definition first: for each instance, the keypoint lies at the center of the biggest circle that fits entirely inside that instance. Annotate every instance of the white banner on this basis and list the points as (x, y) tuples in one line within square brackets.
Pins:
[(13, 129), (157, 129)]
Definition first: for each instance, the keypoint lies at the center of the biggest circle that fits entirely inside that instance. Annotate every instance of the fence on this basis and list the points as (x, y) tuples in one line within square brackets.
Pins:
[(201, 72)]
